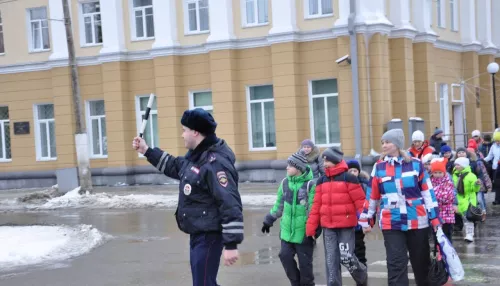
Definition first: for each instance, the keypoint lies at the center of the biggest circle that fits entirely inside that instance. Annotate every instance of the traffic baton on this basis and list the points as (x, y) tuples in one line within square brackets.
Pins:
[(146, 116)]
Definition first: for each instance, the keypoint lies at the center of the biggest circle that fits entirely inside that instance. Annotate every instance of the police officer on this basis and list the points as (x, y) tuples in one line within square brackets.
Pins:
[(209, 207)]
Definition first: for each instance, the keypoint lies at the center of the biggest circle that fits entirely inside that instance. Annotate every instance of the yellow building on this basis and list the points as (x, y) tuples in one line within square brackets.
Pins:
[(266, 69)]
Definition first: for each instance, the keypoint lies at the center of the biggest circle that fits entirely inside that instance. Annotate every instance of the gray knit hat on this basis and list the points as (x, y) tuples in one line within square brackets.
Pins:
[(299, 161), (396, 137), (333, 154)]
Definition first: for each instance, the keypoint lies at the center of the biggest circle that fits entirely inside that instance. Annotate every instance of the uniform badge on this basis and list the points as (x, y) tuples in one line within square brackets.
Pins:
[(187, 189), (196, 170), (222, 178)]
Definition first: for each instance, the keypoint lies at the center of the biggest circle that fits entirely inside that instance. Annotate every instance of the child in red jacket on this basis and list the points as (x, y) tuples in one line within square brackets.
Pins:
[(338, 197)]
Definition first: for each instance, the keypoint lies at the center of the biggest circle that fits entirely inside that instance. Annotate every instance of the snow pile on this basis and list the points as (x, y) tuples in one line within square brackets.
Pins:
[(74, 199), (29, 245), (106, 201)]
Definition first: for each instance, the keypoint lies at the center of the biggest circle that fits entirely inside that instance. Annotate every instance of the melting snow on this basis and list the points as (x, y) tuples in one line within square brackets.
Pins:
[(29, 245)]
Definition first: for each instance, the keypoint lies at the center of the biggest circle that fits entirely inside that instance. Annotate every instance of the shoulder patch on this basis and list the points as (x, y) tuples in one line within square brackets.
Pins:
[(222, 178)]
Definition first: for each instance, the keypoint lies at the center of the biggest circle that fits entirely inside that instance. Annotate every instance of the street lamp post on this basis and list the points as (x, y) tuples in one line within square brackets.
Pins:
[(493, 69)]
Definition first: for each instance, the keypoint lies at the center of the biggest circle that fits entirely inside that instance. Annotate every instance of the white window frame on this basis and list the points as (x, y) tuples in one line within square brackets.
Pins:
[(205, 107), (454, 15), (307, 14), (244, 20), (38, 139), (90, 133), (249, 119), (1, 34), (186, 18), (444, 118), (138, 116), (441, 13), (2, 137), (144, 27), (30, 31), (311, 112), (81, 20)]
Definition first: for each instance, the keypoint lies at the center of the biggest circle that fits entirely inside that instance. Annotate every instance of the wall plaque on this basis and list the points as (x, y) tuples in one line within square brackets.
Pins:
[(21, 128)]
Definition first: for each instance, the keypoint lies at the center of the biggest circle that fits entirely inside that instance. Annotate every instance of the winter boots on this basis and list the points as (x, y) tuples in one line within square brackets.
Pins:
[(469, 231)]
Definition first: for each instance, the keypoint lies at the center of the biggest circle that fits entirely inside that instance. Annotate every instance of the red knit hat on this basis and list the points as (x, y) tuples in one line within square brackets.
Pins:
[(438, 165), (472, 144)]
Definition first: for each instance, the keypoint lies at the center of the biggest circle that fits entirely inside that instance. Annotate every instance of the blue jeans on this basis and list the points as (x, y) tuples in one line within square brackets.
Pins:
[(206, 250), (481, 201)]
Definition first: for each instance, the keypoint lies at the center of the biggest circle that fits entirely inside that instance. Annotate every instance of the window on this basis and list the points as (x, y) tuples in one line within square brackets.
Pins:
[(151, 131), (201, 99), (431, 11), (91, 13), (45, 132), (454, 15), (2, 48), (5, 154), (196, 16), (39, 29), (262, 130), (444, 114), (96, 122), (254, 12), (318, 8), (441, 14), (324, 110), (143, 19)]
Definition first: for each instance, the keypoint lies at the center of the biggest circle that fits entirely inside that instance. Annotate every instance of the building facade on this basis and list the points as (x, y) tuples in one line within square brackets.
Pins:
[(266, 69)]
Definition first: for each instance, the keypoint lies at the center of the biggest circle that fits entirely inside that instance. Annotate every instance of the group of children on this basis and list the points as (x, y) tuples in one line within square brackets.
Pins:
[(324, 194)]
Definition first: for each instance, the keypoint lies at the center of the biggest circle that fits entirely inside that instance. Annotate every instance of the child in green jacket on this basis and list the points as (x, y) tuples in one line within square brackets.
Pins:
[(294, 201), (467, 186)]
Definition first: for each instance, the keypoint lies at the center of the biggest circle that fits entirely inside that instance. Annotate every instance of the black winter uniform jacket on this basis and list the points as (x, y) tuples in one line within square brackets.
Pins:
[(209, 200)]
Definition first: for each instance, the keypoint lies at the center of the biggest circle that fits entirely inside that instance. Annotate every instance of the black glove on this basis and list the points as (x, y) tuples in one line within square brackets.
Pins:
[(318, 232), (265, 228)]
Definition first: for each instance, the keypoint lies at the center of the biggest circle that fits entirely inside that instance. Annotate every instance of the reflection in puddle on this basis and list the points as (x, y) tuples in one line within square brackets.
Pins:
[(262, 256)]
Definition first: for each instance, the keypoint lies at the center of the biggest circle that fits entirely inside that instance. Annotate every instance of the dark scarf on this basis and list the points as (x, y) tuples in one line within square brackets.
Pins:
[(194, 155)]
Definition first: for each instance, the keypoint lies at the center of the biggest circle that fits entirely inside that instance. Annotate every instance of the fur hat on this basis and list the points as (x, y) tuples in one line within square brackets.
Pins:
[(199, 120)]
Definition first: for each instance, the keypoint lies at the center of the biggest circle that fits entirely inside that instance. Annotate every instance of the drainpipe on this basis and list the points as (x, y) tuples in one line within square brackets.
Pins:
[(355, 80)]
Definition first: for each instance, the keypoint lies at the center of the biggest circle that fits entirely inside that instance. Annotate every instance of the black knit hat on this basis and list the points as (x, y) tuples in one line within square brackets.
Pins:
[(353, 164), (199, 120), (298, 161), (333, 154)]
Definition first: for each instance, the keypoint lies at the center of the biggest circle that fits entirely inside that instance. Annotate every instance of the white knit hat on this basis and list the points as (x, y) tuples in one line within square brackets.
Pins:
[(462, 161), (417, 136), (476, 133)]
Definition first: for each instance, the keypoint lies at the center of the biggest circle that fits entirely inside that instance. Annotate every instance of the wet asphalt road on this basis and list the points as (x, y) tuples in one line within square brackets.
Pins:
[(146, 248)]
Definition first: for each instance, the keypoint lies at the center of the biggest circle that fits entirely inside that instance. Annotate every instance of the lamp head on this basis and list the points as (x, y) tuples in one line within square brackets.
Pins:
[(493, 68)]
